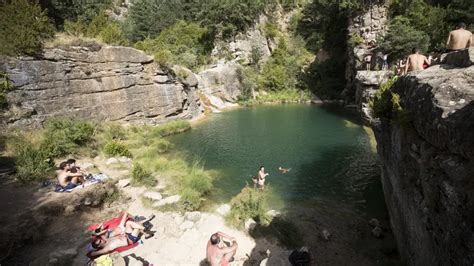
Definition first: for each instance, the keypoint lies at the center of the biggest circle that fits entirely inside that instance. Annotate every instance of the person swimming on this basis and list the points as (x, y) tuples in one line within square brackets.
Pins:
[(284, 170)]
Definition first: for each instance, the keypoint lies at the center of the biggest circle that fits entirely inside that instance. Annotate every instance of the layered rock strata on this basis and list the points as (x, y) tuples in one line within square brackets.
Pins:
[(428, 164), (108, 83)]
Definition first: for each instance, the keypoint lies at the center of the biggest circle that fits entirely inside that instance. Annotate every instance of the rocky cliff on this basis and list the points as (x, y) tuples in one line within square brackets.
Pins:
[(428, 164), (363, 31), (105, 83)]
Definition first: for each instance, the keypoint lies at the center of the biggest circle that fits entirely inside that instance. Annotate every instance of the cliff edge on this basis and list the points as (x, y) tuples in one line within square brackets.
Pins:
[(428, 163)]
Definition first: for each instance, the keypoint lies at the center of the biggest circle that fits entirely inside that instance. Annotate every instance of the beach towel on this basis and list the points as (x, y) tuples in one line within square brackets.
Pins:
[(59, 188)]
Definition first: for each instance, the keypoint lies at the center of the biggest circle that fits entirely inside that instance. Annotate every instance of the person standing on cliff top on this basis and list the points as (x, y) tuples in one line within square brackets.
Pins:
[(460, 38), (416, 61)]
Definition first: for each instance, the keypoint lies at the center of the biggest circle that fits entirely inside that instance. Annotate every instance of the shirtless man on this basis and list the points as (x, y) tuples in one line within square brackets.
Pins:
[(416, 61), (217, 252), (66, 179), (459, 38), (283, 170)]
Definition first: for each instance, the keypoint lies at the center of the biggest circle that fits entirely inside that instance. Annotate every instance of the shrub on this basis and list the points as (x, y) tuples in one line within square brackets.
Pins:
[(401, 38), (271, 30), (140, 176), (385, 103), (356, 39), (63, 135), (32, 162), (5, 86), (194, 185), (115, 148), (112, 34), (249, 203), (24, 27)]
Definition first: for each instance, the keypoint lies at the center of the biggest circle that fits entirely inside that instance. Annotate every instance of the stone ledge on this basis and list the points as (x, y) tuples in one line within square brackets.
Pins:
[(461, 58)]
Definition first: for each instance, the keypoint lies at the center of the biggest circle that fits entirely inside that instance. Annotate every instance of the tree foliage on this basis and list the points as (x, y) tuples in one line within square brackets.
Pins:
[(23, 28)]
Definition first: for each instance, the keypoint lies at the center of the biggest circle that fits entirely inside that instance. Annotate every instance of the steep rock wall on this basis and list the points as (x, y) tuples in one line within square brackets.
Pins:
[(428, 166), (366, 27), (107, 83)]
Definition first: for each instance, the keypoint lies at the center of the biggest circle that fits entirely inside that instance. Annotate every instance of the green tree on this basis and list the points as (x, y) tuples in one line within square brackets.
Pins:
[(402, 37), (23, 27)]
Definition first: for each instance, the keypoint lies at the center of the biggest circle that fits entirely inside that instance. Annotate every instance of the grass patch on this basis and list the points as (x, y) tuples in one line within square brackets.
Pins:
[(140, 176), (249, 203), (283, 96), (171, 128), (116, 148)]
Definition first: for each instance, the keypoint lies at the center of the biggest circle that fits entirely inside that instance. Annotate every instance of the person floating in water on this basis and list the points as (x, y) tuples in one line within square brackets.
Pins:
[(261, 178), (284, 170)]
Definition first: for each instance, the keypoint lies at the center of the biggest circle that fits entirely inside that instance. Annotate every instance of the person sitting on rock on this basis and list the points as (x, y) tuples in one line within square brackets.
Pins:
[(284, 170), (66, 179), (416, 61), (73, 168), (460, 38), (218, 252)]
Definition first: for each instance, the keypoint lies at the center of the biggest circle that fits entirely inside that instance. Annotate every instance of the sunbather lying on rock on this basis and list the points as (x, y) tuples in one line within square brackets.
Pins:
[(66, 179), (127, 226), (126, 233)]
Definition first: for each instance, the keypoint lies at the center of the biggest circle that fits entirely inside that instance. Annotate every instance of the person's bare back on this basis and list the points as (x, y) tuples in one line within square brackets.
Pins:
[(416, 61), (459, 39), (217, 253)]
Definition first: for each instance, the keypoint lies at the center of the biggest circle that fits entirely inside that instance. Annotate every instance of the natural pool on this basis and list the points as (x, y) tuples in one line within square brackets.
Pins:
[(331, 158)]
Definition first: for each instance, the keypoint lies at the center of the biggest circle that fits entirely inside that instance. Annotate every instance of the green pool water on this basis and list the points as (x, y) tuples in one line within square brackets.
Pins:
[(331, 158)]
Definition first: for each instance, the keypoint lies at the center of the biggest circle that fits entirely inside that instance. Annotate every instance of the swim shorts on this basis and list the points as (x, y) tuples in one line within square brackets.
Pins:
[(70, 185)]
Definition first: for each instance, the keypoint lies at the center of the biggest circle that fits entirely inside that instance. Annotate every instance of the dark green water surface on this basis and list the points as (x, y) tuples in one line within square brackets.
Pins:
[(330, 157)]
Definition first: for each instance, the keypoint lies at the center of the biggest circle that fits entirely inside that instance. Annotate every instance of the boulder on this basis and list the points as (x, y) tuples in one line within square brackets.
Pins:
[(250, 224), (461, 58), (193, 216), (86, 166), (223, 210), (124, 159), (124, 182), (186, 76), (155, 196), (169, 200), (186, 225), (112, 161)]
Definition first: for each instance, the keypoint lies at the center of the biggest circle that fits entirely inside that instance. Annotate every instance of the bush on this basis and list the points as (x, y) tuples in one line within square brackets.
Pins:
[(401, 38), (385, 103), (64, 135), (249, 203), (140, 176), (194, 185), (24, 27), (355, 39), (5, 86), (180, 44), (32, 162), (115, 148), (112, 34)]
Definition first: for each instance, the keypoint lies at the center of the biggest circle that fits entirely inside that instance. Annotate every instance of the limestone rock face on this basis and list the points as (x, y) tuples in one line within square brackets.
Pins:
[(221, 81), (428, 166), (366, 84), (108, 83), (368, 26)]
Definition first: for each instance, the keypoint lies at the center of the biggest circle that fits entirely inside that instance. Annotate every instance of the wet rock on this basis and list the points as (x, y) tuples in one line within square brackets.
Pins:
[(223, 210), (155, 196), (111, 161), (193, 216), (124, 182), (326, 234), (186, 225), (250, 224), (374, 222), (377, 232), (169, 200)]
